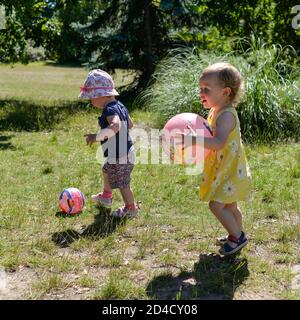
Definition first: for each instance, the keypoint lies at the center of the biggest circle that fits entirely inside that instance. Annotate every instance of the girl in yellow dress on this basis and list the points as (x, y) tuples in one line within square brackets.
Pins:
[(226, 175)]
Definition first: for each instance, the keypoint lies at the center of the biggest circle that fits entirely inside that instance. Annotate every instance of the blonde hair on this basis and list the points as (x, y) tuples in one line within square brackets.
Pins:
[(229, 76)]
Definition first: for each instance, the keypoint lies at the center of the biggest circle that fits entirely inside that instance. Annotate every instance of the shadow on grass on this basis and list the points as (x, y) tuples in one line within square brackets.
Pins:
[(104, 224), (213, 278), (5, 144), (29, 116)]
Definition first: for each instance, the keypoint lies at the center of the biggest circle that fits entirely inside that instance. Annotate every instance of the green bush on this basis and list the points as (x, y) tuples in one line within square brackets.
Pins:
[(34, 53), (270, 108)]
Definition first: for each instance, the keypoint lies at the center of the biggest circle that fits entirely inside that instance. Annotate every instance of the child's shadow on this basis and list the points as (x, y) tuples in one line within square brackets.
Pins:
[(213, 278), (103, 225)]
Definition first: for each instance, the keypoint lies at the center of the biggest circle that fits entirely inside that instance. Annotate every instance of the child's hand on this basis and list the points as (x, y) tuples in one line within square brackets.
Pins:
[(90, 138), (192, 131), (179, 137)]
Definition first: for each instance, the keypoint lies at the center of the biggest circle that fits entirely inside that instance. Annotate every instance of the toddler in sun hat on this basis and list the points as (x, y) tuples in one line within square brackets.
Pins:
[(116, 142), (98, 84)]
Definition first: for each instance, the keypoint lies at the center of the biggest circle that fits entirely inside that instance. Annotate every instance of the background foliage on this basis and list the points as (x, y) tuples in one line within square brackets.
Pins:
[(136, 34), (270, 109)]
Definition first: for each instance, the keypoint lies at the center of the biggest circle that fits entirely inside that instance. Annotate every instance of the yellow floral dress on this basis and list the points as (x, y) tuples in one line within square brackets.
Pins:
[(226, 176)]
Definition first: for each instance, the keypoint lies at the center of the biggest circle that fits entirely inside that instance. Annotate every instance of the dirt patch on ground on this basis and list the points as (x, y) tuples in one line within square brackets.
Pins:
[(163, 282), (16, 284), (296, 279)]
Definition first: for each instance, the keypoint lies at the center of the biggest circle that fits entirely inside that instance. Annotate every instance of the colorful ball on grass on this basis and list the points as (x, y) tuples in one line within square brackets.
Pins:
[(71, 201), (179, 124)]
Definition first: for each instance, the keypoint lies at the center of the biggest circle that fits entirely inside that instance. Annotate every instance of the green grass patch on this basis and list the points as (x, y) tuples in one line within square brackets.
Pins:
[(173, 229), (40, 82), (169, 251)]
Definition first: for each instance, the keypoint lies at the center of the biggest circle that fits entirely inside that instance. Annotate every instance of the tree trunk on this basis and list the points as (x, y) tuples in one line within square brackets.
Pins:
[(148, 41)]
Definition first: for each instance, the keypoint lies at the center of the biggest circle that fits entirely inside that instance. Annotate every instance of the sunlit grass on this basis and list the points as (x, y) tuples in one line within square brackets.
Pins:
[(174, 234), (47, 82), (172, 215)]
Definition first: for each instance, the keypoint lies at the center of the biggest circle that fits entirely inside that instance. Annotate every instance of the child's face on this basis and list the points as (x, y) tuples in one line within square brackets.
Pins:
[(99, 102), (212, 93)]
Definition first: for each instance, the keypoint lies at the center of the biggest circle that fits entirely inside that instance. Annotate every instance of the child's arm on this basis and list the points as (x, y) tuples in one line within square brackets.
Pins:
[(225, 124), (110, 131), (130, 122), (114, 127)]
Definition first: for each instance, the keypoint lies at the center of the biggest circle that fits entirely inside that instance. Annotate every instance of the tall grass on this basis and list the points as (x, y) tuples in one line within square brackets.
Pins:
[(270, 108)]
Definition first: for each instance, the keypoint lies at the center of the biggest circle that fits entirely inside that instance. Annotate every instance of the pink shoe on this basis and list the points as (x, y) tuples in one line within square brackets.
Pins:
[(125, 212), (98, 198)]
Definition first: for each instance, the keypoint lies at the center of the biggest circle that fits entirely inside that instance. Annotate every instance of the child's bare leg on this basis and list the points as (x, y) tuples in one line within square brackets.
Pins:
[(226, 218), (236, 212), (106, 185), (130, 209), (127, 196), (105, 197)]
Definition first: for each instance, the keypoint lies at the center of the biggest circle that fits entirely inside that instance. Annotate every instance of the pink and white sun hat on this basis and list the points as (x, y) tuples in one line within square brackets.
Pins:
[(97, 84)]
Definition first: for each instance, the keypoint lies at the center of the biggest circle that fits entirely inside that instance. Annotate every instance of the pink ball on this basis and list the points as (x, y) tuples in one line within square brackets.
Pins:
[(180, 123), (71, 201)]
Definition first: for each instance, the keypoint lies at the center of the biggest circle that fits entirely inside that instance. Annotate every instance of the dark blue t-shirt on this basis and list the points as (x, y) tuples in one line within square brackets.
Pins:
[(120, 144)]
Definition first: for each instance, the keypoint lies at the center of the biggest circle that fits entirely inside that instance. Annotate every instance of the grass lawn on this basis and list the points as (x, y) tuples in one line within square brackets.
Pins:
[(169, 251), (46, 82)]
